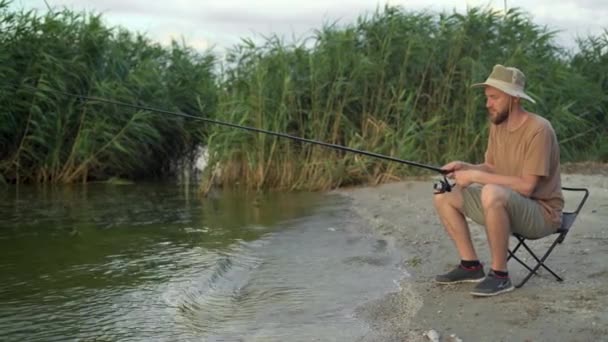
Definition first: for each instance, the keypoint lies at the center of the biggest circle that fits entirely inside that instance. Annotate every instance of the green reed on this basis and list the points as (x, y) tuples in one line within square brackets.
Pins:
[(396, 83), (393, 82), (52, 138)]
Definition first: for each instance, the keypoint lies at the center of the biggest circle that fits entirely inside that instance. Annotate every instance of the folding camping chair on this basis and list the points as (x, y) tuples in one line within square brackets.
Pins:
[(567, 222)]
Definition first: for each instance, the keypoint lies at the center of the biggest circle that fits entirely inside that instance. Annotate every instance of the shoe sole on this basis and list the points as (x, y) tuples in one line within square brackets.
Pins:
[(483, 294), (459, 281)]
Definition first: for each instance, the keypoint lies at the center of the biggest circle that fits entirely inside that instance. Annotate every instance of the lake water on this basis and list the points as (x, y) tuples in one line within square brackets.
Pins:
[(156, 262)]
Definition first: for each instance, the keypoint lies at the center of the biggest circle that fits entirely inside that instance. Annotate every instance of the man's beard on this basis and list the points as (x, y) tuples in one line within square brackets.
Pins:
[(500, 117)]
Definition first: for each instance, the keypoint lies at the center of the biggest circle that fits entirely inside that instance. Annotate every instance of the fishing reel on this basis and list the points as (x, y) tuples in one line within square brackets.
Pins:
[(442, 186)]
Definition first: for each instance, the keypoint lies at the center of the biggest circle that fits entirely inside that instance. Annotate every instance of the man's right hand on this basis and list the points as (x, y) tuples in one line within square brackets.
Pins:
[(455, 166)]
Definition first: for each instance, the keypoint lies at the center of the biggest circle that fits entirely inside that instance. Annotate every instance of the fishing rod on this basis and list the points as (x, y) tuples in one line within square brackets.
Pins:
[(440, 187)]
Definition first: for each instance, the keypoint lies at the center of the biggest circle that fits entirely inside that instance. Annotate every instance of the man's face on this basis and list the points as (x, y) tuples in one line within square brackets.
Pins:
[(497, 104)]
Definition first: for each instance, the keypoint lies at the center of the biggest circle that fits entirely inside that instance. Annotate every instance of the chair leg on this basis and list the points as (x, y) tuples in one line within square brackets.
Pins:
[(512, 254), (540, 262), (520, 261)]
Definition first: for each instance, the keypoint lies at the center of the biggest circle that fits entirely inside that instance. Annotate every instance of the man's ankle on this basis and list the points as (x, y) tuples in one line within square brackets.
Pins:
[(501, 274), (470, 264)]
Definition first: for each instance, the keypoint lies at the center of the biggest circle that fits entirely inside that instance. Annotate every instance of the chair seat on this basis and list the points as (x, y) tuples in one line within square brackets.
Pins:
[(567, 221)]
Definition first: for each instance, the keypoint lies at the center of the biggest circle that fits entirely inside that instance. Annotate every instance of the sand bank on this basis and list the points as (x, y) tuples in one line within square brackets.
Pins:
[(543, 310)]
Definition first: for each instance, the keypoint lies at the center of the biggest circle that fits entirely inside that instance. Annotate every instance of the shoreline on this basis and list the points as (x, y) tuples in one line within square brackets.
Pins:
[(543, 309)]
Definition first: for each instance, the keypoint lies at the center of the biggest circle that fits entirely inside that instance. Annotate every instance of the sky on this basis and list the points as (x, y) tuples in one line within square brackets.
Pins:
[(220, 24)]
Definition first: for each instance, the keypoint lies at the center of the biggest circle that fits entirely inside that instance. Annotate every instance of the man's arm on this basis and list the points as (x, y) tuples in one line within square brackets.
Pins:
[(461, 166), (524, 185), (484, 167), (484, 174)]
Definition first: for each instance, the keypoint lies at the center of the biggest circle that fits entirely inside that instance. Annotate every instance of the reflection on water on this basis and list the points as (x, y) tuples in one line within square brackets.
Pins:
[(156, 262)]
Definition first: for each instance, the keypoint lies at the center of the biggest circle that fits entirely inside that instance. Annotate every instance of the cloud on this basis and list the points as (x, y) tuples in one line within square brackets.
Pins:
[(572, 18), (225, 22)]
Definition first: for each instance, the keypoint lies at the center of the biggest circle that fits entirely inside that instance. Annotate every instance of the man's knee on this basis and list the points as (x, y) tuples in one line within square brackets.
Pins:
[(493, 196), (451, 199)]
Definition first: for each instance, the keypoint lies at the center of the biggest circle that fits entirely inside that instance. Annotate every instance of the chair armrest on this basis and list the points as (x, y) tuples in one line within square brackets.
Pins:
[(582, 202)]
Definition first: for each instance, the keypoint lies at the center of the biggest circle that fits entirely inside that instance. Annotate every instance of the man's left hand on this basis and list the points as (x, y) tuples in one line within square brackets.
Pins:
[(464, 178)]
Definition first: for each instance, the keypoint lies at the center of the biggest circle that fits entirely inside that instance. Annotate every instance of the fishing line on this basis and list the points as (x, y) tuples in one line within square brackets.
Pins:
[(440, 187)]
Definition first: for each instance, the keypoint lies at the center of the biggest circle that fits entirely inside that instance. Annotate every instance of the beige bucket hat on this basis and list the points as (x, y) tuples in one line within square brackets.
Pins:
[(507, 79)]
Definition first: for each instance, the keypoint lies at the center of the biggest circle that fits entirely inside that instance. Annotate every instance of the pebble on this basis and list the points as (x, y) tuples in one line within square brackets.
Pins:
[(453, 338), (432, 335)]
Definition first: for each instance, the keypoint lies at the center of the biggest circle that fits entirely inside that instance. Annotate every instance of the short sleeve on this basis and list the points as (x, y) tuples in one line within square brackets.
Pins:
[(537, 159)]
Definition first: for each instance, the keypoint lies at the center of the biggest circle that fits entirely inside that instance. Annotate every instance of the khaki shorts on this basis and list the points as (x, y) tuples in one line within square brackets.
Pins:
[(526, 215)]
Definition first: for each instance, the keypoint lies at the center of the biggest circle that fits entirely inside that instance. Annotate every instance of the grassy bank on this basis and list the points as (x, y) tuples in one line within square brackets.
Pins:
[(393, 82)]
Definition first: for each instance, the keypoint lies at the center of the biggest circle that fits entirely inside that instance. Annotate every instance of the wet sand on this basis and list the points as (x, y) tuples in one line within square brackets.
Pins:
[(542, 310)]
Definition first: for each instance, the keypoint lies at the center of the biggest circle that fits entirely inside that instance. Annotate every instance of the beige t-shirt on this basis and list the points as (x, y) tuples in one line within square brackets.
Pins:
[(530, 149)]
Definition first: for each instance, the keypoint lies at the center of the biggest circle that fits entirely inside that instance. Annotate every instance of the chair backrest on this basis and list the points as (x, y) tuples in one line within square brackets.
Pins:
[(570, 216)]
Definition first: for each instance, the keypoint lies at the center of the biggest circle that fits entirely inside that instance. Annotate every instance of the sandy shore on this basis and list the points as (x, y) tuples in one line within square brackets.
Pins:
[(543, 310)]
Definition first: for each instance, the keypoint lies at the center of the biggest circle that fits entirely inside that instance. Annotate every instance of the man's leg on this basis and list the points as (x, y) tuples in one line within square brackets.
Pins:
[(495, 200), (450, 207)]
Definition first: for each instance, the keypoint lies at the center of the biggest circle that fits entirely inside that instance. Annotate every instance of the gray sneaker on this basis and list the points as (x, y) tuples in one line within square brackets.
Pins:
[(461, 275), (493, 285)]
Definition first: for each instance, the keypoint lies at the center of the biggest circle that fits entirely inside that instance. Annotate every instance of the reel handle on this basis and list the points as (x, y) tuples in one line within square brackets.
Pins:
[(442, 186)]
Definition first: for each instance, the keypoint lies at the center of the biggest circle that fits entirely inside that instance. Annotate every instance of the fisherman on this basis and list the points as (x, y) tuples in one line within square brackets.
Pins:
[(517, 189)]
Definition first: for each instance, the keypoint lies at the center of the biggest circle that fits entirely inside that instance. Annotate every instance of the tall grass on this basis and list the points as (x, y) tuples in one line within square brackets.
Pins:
[(392, 82), (52, 138), (590, 63), (396, 83)]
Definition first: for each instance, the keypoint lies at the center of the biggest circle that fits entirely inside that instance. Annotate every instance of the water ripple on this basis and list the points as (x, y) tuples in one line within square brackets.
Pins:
[(151, 266)]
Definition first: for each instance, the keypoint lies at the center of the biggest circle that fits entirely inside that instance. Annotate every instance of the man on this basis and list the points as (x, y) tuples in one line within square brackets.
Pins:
[(516, 189)]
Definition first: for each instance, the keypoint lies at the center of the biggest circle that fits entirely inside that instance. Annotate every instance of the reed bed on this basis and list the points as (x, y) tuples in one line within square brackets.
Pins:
[(394, 82), (398, 83), (50, 138)]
